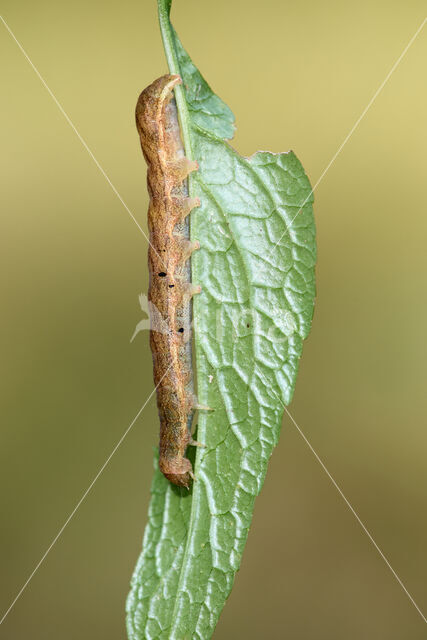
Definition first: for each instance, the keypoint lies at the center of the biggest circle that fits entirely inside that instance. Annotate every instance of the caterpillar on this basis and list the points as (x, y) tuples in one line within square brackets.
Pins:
[(170, 290)]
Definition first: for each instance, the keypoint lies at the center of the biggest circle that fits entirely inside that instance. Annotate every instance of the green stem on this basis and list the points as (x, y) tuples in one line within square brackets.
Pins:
[(184, 121), (166, 30)]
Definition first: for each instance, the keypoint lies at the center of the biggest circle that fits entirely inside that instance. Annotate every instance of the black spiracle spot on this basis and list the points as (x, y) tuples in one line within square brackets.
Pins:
[(181, 330), (162, 274)]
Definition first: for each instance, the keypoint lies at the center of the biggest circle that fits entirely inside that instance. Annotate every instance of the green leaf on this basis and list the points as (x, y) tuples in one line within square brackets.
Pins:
[(256, 266)]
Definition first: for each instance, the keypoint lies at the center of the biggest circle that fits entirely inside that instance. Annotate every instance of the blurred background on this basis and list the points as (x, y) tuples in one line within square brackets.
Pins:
[(297, 76)]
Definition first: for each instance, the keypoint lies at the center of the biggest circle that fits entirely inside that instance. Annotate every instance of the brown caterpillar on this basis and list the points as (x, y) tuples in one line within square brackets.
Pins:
[(170, 290)]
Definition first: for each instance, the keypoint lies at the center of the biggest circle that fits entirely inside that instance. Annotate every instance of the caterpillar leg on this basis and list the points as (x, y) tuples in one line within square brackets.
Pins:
[(193, 403), (195, 443), (190, 290), (187, 248), (202, 407), (182, 207), (181, 168)]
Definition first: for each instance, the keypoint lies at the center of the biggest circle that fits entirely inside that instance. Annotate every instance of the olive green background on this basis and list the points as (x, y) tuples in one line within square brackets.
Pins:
[(297, 75)]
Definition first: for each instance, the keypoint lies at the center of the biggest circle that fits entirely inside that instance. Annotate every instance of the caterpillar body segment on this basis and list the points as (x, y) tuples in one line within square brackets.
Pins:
[(170, 290)]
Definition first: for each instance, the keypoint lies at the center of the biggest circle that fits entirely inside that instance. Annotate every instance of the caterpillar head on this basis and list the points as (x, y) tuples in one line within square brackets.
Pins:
[(150, 113)]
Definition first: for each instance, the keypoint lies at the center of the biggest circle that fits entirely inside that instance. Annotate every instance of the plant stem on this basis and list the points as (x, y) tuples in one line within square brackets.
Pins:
[(166, 30)]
